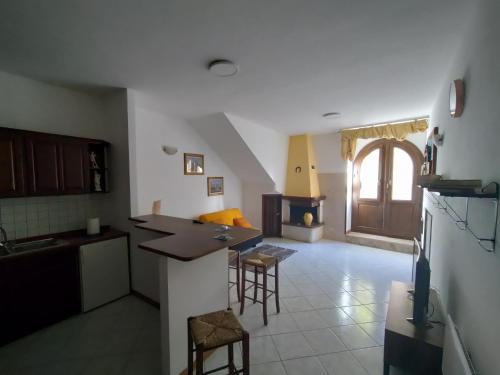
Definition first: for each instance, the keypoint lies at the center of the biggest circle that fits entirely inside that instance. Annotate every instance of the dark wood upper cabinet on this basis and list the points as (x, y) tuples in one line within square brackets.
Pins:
[(42, 160), (74, 166), (11, 164), (33, 163)]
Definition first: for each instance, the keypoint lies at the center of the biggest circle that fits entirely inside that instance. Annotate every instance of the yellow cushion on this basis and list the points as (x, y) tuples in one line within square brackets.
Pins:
[(242, 222), (224, 217)]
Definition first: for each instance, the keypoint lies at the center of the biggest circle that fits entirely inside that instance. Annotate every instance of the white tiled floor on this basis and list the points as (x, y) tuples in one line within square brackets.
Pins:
[(120, 338), (333, 307)]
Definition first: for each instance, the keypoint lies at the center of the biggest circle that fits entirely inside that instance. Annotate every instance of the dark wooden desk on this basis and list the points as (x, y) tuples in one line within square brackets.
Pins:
[(186, 240), (417, 349)]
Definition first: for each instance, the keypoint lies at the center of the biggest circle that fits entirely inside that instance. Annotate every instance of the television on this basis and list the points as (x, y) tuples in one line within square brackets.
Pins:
[(426, 243), (420, 293)]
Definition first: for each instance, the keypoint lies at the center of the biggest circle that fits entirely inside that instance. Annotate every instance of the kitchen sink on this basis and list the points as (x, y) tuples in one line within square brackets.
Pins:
[(34, 245)]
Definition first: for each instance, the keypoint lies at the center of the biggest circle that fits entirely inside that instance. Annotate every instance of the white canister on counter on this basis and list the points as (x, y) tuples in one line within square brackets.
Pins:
[(93, 226)]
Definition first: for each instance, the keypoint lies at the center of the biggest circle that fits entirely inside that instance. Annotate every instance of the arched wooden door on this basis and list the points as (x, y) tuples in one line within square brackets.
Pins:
[(385, 197)]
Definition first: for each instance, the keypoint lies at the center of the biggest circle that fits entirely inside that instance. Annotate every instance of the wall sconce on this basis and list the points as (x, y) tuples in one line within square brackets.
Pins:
[(169, 150)]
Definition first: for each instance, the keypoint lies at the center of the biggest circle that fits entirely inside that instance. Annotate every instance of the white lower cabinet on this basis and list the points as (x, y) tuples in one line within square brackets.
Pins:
[(104, 272)]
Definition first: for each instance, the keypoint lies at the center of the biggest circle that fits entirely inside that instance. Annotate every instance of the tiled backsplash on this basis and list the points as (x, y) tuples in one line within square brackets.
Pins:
[(33, 216)]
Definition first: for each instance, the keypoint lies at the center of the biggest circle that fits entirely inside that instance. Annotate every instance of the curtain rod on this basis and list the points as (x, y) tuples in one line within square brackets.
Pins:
[(385, 123)]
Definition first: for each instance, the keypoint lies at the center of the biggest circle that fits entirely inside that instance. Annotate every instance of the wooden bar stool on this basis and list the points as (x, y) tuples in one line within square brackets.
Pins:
[(212, 331), (234, 257), (261, 263)]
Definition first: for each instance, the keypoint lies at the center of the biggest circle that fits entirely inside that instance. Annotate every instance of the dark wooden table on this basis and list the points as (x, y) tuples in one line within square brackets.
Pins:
[(186, 240), (416, 349)]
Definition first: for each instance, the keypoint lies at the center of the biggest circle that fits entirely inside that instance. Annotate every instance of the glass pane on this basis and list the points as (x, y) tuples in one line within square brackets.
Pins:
[(368, 175), (402, 176)]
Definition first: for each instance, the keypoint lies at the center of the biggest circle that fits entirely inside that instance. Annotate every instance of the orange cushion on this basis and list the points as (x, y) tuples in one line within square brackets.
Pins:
[(226, 216), (241, 222)]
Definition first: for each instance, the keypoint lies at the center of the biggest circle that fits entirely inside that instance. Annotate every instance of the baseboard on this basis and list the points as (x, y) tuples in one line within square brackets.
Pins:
[(145, 298)]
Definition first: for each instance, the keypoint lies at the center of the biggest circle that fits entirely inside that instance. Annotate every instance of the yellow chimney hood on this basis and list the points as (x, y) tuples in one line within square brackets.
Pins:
[(302, 175)]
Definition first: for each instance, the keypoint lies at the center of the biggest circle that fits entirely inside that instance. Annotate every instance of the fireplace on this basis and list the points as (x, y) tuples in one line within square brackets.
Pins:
[(293, 226), (297, 214)]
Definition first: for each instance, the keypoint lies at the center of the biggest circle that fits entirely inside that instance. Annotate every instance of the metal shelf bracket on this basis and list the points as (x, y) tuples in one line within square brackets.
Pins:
[(487, 244)]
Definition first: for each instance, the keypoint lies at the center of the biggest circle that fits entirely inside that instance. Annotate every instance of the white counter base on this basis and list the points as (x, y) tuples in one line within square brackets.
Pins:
[(188, 289)]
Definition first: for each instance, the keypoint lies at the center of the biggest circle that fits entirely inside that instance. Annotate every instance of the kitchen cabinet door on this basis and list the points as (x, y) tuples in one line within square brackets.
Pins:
[(42, 160), (74, 166), (39, 289), (11, 164)]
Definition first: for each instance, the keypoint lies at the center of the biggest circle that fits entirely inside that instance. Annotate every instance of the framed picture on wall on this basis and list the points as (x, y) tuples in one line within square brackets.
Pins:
[(194, 164), (215, 185)]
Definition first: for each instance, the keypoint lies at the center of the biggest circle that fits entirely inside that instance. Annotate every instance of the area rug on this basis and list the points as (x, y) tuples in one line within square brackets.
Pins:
[(280, 252)]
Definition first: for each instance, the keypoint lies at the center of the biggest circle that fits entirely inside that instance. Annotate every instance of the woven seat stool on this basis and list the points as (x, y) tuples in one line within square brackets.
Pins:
[(234, 263), (214, 330), (260, 263)]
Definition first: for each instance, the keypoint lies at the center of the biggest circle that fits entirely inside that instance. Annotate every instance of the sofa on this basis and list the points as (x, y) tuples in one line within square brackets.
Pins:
[(227, 217)]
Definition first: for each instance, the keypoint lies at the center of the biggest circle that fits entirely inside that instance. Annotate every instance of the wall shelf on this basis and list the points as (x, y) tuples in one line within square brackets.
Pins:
[(490, 191)]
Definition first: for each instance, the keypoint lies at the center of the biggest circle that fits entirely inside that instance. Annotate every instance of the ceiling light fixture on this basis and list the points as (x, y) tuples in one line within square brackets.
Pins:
[(331, 115), (223, 68)]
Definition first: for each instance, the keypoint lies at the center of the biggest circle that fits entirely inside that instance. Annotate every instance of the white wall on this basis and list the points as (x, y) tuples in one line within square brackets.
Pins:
[(271, 150), (115, 131), (328, 158), (157, 176), (252, 201), (332, 183), (269, 147), (161, 176), (33, 105), (468, 277)]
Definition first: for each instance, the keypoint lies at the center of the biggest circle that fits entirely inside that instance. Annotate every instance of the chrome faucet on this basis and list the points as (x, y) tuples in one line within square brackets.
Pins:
[(4, 242)]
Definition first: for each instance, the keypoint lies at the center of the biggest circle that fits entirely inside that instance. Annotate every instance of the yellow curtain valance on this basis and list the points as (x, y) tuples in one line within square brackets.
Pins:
[(397, 131)]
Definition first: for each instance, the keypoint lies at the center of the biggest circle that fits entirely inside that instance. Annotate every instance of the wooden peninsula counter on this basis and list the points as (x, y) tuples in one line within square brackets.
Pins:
[(193, 269)]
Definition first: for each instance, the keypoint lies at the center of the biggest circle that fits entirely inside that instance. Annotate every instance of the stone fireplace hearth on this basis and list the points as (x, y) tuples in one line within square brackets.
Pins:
[(293, 225)]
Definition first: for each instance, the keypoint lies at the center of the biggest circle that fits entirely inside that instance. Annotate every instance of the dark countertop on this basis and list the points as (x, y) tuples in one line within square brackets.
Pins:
[(186, 240), (80, 237), (71, 239)]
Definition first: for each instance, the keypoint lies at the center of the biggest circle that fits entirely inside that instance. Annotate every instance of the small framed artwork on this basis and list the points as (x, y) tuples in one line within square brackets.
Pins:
[(194, 164), (215, 185)]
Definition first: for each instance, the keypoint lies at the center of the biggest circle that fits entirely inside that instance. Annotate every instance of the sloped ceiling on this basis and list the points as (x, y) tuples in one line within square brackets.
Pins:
[(222, 137)]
